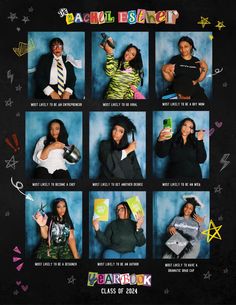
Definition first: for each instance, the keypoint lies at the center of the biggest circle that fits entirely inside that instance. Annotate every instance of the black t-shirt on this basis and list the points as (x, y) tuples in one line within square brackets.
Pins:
[(186, 68)]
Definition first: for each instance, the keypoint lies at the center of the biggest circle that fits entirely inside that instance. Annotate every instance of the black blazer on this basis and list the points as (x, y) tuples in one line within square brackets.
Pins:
[(42, 75)]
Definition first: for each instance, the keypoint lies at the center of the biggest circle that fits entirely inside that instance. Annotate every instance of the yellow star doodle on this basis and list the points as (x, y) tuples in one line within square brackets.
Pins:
[(204, 21), (216, 233), (220, 25)]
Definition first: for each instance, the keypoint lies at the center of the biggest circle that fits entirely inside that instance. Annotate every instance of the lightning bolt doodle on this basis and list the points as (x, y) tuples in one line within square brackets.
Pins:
[(10, 75), (224, 161)]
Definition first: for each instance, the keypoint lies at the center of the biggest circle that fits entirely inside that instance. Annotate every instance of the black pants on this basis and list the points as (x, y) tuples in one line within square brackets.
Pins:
[(42, 173)]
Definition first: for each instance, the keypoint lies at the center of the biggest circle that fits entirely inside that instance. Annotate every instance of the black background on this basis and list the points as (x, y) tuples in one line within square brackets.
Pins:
[(49, 285)]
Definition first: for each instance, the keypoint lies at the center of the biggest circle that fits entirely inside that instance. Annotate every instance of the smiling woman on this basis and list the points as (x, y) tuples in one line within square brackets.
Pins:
[(57, 233), (49, 153), (121, 235)]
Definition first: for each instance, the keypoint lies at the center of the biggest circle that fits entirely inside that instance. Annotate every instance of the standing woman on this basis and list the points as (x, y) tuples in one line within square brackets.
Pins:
[(55, 77), (49, 152), (184, 150), (190, 226), (186, 71), (126, 72), (57, 233), (117, 156), (121, 235)]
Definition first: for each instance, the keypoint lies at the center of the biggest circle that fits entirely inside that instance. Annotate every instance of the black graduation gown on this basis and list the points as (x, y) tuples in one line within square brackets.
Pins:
[(112, 167)]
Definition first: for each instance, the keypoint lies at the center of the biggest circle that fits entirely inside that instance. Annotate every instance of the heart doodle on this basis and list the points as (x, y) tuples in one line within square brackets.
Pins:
[(218, 124), (24, 287), (18, 283)]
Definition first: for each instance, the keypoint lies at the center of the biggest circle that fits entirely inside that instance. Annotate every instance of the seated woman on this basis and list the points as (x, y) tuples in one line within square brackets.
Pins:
[(126, 72), (188, 69), (57, 233), (121, 235), (55, 77), (190, 226), (117, 155), (49, 152), (184, 150)]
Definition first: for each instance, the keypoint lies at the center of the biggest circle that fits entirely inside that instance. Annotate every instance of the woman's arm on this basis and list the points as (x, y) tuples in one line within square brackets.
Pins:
[(163, 145), (201, 152), (103, 238), (72, 244), (42, 222), (140, 238), (45, 152), (136, 167), (203, 71), (111, 65)]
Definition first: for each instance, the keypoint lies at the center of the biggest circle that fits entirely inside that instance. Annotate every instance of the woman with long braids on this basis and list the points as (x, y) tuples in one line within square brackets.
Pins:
[(117, 156), (126, 72), (185, 150), (49, 152), (57, 233)]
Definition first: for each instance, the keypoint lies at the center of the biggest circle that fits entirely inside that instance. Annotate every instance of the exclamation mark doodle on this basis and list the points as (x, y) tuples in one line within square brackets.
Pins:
[(16, 146)]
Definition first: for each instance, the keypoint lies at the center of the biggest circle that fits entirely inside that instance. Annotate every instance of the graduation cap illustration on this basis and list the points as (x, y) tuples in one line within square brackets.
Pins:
[(194, 200), (124, 122), (176, 243)]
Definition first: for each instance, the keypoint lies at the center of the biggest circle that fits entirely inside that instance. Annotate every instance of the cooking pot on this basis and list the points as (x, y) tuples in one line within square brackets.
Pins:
[(72, 154)]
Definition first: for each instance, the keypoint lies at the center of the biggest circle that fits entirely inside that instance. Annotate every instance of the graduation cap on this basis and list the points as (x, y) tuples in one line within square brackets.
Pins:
[(194, 200), (123, 121)]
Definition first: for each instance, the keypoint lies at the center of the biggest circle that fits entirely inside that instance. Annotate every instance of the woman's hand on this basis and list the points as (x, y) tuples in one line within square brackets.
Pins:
[(96, 224), (106, 47), (200, 135), (198, 219), (40, 219), (57, 145), (65, 95), (55, 96), (140, 220), (131, 147), (165, 134), (169, 68), (172, 230)]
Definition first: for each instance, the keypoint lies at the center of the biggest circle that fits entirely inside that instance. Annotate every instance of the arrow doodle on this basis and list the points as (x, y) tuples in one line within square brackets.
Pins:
[(19, 186)]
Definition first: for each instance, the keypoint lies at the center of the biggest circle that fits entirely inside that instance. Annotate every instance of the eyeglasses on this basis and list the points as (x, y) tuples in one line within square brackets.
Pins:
[(121, 209), (55, 46)]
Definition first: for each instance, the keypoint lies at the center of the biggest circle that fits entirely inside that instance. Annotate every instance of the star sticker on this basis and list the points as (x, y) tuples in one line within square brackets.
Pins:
[(218, 189), (71, 280), (18, 88), (220, 218), (212, 227), (7, 213), (226, 270), (207, 276), (16, 292), (220, 25), (9, 102), (12, 16), (31, 9), (225, 85), (18, 114), (25, 19), (11, 163), (166, 291), (204, 21)]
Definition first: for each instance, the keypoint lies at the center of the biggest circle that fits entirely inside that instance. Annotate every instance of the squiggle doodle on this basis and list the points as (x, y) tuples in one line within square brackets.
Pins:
[(19, 186), (217, 71)]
